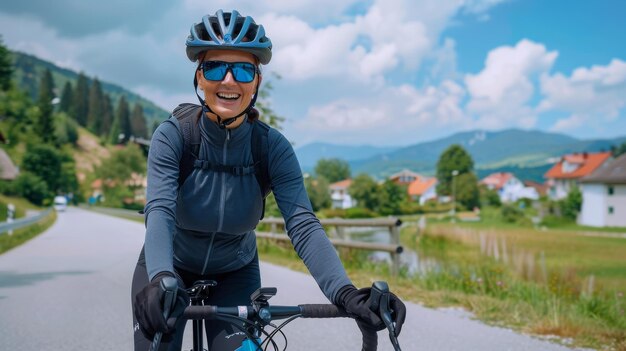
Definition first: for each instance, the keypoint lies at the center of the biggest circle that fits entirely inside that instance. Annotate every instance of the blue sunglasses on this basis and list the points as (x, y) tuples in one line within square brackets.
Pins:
[(243, 72)]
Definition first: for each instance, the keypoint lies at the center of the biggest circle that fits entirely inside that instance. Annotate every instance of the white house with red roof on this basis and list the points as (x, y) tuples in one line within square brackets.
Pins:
[(604, 195), (405, 177), (423, 189), (509, 188), (570, 169), (339, 194)]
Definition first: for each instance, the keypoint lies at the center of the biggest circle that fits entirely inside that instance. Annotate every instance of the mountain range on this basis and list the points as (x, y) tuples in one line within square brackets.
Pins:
[(527, 153)]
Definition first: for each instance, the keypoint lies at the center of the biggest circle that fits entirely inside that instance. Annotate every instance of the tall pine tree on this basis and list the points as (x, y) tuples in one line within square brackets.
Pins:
[(95, 107), (121, 129), (6, 67), (138, 122), (44, 127), (107, 115), (66, 98), (80, 107)]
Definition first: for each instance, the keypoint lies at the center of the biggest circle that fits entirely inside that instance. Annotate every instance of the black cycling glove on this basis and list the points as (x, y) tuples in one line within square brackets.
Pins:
[(149, 308), (357, 303)]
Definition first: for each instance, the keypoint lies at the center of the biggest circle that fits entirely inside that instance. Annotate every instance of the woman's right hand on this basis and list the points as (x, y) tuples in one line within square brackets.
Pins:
[(149, 309)]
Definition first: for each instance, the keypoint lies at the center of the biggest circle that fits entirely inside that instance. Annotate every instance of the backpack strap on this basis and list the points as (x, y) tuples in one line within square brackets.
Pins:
[(260, 157), (188, 116)]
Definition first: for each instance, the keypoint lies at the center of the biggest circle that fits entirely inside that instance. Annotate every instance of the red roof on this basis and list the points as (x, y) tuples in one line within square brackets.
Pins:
[(586, 163), (497, 180), (342, 184), (420, 186)]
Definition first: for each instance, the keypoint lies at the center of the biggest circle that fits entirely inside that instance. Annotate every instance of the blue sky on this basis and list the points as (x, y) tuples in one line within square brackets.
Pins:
[(380, 72)]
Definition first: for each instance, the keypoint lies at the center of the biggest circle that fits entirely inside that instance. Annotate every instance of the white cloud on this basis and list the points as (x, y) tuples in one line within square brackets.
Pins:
[(388, 116), (589, 93), (567, 124), (500, 93)]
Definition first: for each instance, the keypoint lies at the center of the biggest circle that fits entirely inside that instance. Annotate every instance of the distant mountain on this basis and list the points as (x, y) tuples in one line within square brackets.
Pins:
[(309, 154), (29, 69), (526, 153)]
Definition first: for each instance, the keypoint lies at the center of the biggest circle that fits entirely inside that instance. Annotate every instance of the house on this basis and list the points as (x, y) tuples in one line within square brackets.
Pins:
[(509, 188), (405, 177), (570, 169), (604, 195), (423, 189), (8, 170), (540, 188), (339, 194)]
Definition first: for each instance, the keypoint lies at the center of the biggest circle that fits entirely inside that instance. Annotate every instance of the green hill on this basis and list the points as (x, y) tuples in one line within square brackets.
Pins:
[(526, 153), (29, 68)]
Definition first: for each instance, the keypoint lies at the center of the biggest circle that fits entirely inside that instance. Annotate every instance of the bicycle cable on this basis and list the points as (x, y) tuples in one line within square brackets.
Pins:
[(279, 330)]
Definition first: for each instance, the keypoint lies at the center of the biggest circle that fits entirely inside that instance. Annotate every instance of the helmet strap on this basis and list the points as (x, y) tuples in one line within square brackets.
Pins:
[(220, 122)]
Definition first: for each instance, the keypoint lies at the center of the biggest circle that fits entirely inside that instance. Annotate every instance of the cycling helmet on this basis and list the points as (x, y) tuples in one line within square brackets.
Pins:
[(229, 30)]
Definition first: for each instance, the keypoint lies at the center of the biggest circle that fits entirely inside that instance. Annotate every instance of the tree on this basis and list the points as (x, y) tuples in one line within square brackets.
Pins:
[(6, 67), (618, 150), (365, 191), (95, 107), (65, 129), (572, 204), (66, 98), (333, 169), (44, 126), (80, 105), (45, 162), (264, 106), (319, 195), (391, 198), (138, 122), (107, 115), (454, 158), (121, 122), (31, 187), (467, 193)]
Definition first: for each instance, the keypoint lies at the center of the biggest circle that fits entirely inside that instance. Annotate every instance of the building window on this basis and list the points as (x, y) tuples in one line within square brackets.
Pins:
[(610, 210), (611, 190)]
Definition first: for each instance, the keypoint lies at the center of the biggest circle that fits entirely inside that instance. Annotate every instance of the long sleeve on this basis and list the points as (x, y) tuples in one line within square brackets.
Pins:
[(164, 157), (303, 227)]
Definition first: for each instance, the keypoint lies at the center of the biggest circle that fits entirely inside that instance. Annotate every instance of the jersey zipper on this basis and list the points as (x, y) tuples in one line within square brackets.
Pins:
[(220, 222)]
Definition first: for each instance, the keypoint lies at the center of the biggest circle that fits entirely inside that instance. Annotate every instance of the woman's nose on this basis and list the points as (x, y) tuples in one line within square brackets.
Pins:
[(228, 78)]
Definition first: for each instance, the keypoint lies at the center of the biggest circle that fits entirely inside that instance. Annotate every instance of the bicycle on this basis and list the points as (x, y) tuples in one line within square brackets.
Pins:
[(260, 315)]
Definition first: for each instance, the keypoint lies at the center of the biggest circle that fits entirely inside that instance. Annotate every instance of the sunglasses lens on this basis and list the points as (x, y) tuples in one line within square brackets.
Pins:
[(215, 70), (242, 72)]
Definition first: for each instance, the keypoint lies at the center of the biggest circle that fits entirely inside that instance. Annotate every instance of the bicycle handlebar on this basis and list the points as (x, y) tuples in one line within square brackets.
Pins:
[(370, 339)]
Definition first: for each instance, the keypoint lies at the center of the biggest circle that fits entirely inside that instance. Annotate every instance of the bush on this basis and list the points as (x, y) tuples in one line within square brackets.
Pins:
[(359, 212), (32, 188), (511, 214), (332, 213)]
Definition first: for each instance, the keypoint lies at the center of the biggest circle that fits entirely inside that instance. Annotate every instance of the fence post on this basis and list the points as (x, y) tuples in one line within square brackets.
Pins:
[(395, 256)]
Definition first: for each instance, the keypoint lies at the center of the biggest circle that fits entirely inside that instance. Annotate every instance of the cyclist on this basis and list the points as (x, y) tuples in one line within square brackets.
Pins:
[(204, 228)]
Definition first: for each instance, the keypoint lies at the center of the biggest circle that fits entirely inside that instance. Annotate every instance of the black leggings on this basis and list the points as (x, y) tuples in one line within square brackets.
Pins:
[(233, 289)]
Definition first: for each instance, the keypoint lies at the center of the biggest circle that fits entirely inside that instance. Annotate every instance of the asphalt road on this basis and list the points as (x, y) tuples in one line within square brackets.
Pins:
[(69, 289)]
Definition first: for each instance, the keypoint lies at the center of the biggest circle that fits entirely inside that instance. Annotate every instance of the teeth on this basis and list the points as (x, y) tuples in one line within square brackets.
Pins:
[(228, 96)]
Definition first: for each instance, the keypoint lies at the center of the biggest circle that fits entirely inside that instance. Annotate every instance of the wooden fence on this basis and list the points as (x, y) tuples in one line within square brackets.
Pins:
[(339, 237)]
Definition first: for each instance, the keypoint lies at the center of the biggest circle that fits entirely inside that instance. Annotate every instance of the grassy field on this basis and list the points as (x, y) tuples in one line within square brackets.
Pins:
[(548, 283)]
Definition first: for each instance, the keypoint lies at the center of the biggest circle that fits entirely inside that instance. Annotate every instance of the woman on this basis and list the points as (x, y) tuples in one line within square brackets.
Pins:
[(204, 228)]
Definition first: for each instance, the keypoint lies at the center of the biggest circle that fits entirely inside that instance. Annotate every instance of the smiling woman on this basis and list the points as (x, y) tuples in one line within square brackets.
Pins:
[(200, 223)]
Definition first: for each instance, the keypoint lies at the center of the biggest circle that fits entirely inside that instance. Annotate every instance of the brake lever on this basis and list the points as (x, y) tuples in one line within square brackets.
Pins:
[(379, 303)]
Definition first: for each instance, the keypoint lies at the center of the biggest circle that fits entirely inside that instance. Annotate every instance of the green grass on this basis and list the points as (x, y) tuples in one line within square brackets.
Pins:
[(556, 282), (20, 236), (558, 302)]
